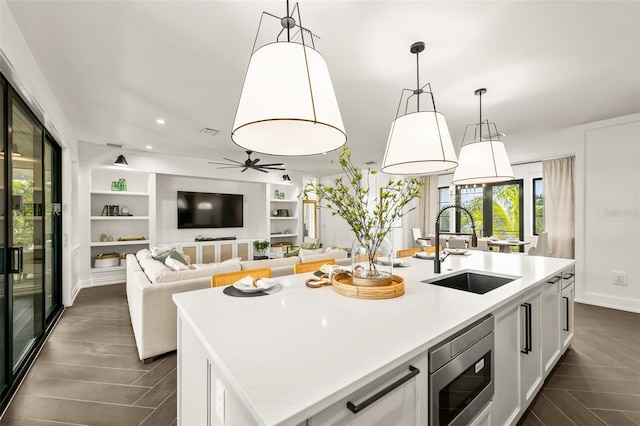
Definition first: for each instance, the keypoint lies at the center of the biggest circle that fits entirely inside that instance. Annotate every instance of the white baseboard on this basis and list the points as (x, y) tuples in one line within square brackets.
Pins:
[(604, 301)]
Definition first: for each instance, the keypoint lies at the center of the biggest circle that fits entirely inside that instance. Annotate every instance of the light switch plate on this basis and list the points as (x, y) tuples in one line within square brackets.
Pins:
[(620, 277)]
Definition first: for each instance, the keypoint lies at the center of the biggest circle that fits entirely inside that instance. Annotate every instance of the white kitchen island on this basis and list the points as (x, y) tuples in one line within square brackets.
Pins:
[(297, 355)]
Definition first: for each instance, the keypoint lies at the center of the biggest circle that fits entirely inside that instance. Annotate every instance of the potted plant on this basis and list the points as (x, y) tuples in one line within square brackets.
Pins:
[(260, 248), (370, 217)]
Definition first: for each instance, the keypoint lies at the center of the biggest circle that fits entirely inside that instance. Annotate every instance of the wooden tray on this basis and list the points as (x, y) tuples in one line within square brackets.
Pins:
[(342, 285)]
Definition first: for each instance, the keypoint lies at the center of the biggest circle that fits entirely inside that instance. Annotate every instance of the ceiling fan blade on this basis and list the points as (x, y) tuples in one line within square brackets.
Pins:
[(260, 170), (228, 167), (272, 164), (233, 161), (244, 170), (254, 162), (272, 168)]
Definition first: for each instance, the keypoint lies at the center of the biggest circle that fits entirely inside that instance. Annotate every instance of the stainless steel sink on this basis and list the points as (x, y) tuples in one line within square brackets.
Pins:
[(471, 282)]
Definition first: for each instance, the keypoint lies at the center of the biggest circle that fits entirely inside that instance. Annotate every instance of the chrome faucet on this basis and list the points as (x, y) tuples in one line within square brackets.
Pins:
[(474, 238)]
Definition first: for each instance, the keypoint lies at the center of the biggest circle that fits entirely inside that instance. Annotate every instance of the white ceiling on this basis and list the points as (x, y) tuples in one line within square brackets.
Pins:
[(117, 66)]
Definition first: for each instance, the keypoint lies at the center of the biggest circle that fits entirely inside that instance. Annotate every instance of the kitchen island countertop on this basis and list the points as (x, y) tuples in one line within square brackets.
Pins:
[(291, 354)]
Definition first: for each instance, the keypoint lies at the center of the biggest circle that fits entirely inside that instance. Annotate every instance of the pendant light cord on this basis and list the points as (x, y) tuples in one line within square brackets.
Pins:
[(418, 78), (288, 29), (481, 115)]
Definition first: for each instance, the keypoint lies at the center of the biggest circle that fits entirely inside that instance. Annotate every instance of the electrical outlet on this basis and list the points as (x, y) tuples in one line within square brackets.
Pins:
[(220, 401), (619, 277)]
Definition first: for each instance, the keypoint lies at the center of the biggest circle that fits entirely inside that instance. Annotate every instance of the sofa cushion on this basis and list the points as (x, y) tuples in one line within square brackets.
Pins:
[(170, 253), (152, 268), (143, 253), (307, 252), (175, 265), (171, 276), (269, 263)]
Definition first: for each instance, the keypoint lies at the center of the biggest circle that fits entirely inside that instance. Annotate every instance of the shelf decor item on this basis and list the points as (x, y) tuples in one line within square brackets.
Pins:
[(261, 247), (370, 217)]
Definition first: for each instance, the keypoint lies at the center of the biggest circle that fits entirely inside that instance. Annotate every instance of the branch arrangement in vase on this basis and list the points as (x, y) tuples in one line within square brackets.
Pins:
[(370, 217)]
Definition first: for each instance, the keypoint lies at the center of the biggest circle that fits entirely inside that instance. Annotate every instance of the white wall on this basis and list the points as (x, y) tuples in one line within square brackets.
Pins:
[(612, 214), (21, 69), (254, 208)]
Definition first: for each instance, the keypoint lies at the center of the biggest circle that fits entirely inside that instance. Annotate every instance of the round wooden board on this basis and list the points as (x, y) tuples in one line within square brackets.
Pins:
[(342, 285)]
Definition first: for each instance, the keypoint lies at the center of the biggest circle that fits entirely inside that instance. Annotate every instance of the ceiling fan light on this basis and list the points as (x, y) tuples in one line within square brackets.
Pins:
[(121, 161), (419, 143), (288, 105)]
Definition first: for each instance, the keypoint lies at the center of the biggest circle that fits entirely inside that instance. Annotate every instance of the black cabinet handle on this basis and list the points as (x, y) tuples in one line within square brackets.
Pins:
[(554, 280), (413, 371), (527, 328), (566, 313), (566, 277)]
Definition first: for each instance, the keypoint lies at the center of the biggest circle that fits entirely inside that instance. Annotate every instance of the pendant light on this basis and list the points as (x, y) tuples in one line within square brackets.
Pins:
[(287, 105), (483, 158), (419, 142)]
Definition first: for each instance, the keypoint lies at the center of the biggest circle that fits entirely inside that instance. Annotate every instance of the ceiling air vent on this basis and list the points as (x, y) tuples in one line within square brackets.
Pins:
[(208, 131), (114, 145), (371, 163)]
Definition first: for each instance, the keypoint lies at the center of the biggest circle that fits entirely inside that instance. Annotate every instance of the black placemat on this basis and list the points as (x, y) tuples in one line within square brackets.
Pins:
[(232, 291)]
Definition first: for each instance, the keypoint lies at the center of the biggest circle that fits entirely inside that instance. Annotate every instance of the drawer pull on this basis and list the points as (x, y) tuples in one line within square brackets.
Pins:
[(413, 371), (554, 280)]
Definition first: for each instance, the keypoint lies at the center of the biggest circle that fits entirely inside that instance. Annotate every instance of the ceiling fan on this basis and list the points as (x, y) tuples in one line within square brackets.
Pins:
[(249, 164)]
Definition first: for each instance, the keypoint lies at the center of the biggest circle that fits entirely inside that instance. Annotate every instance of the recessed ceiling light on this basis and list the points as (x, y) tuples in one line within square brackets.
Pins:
[(149, 147), (160, 121)]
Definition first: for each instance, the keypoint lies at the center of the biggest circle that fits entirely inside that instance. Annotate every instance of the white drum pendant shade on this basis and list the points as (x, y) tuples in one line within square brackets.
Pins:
[(419, 143), (285, 109), (483, 162)]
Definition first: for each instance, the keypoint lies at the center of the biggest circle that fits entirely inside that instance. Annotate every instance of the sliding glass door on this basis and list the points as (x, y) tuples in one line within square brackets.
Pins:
[(30, 238), (26, 229)]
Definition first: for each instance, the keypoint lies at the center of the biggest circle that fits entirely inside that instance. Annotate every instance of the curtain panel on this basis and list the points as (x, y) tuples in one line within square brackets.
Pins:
[(428, 205), (559, 206)]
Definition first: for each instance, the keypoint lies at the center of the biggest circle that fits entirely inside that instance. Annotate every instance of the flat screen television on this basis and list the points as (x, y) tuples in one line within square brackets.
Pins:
[(209, 210)]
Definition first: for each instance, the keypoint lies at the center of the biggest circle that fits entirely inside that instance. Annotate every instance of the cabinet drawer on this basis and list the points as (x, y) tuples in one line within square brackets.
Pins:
[(568, 276), (386, 400)]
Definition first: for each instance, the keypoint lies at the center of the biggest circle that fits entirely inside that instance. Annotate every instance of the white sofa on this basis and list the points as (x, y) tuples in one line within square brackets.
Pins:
[(150, 285)]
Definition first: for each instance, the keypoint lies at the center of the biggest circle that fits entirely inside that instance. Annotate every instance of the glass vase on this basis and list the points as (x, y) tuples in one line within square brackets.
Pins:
[(371, 263)]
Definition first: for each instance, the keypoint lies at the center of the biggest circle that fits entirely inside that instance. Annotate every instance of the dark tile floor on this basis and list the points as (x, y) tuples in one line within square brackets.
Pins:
[(88, 373), (597, 382)]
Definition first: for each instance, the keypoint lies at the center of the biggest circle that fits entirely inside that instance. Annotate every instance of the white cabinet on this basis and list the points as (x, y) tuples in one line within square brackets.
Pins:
[(506, 399), (397, 398), (566, 306), (122, 219), (205, 398), (550, 323), (531, 354), (284, 213), (529, 343)]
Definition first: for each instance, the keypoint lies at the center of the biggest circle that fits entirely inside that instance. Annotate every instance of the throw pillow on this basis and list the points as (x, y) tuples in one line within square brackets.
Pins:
[(175, 265), (232, 260), (291, 253), (159, 250), (170, 253), (309, 245)]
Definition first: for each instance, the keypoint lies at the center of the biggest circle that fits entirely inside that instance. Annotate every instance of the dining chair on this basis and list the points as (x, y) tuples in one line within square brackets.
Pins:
[(229, 278), (540, 249), (457, 243), (299, 268), (409, 252), (483, 245), (417, 237)]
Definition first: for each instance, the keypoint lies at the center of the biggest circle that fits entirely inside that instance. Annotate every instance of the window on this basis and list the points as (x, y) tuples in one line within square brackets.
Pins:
[(538, 206), (443, 200), (496, 209), (472, 198)]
